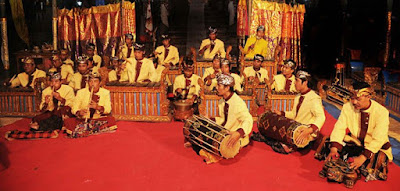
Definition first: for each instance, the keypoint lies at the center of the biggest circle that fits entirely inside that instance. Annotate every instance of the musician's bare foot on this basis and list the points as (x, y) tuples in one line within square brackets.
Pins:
[(187, 144), (34, 125)]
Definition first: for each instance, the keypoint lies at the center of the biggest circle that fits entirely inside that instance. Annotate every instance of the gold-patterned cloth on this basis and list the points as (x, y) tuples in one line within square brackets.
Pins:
[(284, 27), (98, 25)]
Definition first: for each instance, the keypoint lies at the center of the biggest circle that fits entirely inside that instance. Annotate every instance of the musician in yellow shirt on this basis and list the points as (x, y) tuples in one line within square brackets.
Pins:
[(91, 104), (256, 44), (307, 110), (27, 78), (140, 69), (368, 123), (80, 79), (118, 71), (65, 57), (92, 56), (167, 55), (65, 70), (211, 46), (128, 48), (256, 70), (225, 69), (56, 103), (285, 82), (210, 74)]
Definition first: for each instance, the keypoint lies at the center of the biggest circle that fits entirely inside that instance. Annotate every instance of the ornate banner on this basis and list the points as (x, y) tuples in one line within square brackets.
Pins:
[(242, 19), (100, 25), (284, 27)]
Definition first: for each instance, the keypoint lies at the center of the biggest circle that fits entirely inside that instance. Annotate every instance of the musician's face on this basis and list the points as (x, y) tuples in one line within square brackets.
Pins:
[(257, 64), (300, 85), (361, 102), (216, 64), (260, 33), (128, 41), (212, 36), (222, 89), (287, 71), (94, 83), (139, 54), (90, 52), (165, 42), (188, 72), (63, 56), (29, 68), (225, 68), (115, 63), (82, 68), (57, 63), (56, 83)]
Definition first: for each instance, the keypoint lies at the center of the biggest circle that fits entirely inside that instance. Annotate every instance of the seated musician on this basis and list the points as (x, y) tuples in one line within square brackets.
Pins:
[(92, 56), (91, 104), (127, 49), (159, 69), (65, 70), (256, 70), (80, 79), (368, 123), (233, 116), (225, 69), (211, 46), (186, 86), (210, 74), (27, 78), (256, 44), (56, 102), (65, 57), (140, 69), (118, 70), (307, 110), (285, 82), (167, 55)]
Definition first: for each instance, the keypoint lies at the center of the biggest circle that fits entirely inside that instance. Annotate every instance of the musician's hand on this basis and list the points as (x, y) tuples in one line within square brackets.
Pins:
[(252, 46), (277, 112), (207, 46), (304, 135), (123, 66), (212, 76), (57, 96), (333, 155), (82, 112), (93, 105), (179, 90), (358, 161), (47, 99), (191, 100), (233, 139), (251, 78)]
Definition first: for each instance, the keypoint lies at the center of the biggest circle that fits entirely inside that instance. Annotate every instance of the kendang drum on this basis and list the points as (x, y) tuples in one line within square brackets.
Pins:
[(210, 136), (182, 110), (280, 128)]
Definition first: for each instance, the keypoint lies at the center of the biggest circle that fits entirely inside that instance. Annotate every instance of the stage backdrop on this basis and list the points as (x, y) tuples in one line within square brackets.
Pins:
[(284, 27), (100, 25)]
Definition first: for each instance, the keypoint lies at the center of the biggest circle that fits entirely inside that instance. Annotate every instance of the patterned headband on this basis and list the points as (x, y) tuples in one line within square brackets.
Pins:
[(28, 60), (226, 79), (261, 28), (165, 36), (129, 35), (212, 30), (139, 46), (56, 76), (225, 61), (259, 57), (302, 74), (290, 63)]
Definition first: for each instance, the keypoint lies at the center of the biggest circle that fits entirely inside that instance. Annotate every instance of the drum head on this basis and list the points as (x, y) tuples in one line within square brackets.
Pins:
[(296, 134), (226, 151)]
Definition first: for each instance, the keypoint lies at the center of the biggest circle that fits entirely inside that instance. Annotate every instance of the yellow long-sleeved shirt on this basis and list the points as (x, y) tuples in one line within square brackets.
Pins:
[(82, 102), (65, 92), (172, 57), (112, 76), (159, 71), (97, 61), (260, 47), (147, 70), (66, 72), (219, 48), (239, 117), (124, 52), (378, 127), (311, 111), (207, 72), (76, 80), (280, 83), (180, 82), (69, 62), (262, 74), (22, 79)]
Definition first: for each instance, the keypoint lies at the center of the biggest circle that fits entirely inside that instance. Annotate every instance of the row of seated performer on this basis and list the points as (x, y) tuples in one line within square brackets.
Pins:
[(358, 145)]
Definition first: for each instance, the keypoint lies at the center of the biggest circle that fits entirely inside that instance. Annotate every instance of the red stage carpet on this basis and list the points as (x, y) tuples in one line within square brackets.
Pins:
[(151, 156)]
